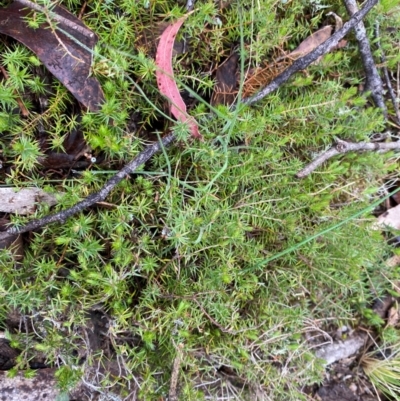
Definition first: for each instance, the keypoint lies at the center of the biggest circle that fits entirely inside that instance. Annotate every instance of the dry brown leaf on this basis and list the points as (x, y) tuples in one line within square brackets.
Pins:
[(393, 316), (394, 261), (391, 219), (225, 89), (264, 75), (311, 43), (23, 201), (69, 62)]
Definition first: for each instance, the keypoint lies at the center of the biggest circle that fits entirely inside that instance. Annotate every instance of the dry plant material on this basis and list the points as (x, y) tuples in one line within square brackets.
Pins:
[(23, 201), (165, 78), (263, 75), (305, 61), (13, 243), (311, 43), (393, 316), (225, 89), (383, 305), (343, 349), (373, 80), (390, 218), (64, 57), (342, 147), (388, 81), (393, 261), (172, 396)]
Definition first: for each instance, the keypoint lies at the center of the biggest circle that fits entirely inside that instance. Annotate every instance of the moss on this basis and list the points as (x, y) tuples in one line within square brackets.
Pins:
[(178, 254)]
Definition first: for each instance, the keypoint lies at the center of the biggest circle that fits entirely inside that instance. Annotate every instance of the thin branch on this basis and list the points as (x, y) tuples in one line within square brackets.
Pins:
[(342, 147), (304, 62), (65, 21), (386, 75), (373, 80), (99, 196)]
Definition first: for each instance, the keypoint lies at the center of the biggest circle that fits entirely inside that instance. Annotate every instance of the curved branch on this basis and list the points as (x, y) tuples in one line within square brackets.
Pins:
[(342, 147), (99, 196)]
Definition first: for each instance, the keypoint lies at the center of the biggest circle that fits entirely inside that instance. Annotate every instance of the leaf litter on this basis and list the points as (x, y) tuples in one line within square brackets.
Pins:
[(62, 54)]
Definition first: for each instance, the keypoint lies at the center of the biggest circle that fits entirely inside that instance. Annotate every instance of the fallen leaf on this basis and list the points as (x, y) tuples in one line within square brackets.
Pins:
[(264, 75), (393, 316), (382, 305), (165, 78), (343, 349), (390, 218), (396, 197), (311, 43), (225, 89), (75, 148), (338, 20), (393, 261), (23, 201), (67, 61)]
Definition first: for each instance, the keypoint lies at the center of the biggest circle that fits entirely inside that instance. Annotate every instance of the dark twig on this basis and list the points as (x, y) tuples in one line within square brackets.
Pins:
[(386, 75), (304, 62), (342, 147), (99, 196), (24, 110), (373, 80)]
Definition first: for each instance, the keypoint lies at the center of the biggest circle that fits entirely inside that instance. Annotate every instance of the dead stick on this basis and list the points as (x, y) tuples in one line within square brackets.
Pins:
[(304, 62), (342, 147), (99, 196), (386, 75), (65, 21), (373, 80)]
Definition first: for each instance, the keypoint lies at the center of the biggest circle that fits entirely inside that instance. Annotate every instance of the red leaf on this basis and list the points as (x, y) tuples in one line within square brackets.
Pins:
[(165, 78)]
